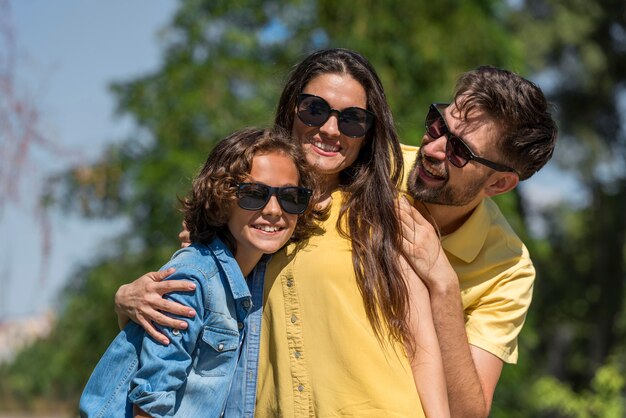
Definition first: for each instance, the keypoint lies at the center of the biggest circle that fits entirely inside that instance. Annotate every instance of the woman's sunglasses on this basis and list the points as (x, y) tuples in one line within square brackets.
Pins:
[(457, 151), (254, 196), (315, 111)]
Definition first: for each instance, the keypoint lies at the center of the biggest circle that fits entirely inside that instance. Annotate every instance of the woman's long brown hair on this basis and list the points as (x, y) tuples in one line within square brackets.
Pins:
[(371, 184)]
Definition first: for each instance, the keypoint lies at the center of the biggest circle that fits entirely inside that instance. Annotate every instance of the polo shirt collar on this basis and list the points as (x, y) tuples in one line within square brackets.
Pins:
[(466, 242)]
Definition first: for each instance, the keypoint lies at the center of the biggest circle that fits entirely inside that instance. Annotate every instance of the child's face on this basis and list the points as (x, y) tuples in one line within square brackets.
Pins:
[(266, 230)]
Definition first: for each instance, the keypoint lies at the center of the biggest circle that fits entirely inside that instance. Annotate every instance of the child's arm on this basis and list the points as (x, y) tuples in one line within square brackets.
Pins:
[(164, 369), (425, 354)]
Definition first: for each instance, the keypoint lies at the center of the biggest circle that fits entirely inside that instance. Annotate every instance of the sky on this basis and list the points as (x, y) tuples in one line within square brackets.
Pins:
[(70, 51)]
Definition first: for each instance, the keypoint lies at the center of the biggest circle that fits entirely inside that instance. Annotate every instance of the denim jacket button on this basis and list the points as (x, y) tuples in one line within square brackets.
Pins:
[(240, 325), (175, 332), (246, 303), (220, 347)]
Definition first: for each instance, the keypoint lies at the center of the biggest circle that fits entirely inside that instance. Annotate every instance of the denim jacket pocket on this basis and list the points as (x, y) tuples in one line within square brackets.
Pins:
[(218, 351)]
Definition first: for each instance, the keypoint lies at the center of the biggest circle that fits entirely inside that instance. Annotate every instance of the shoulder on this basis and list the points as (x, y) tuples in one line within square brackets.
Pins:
[(193, 262), (409, 153), (487, 238), (500, 227)]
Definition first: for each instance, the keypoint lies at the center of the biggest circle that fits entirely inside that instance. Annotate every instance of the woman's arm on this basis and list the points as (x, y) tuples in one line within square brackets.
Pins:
[(425, 354)]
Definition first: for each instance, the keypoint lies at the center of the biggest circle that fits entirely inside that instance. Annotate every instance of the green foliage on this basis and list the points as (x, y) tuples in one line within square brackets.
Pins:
[(420, 47), (605, 399)]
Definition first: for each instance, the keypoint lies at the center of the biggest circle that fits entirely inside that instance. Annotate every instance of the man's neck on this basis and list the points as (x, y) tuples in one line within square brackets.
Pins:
[(447, 218)]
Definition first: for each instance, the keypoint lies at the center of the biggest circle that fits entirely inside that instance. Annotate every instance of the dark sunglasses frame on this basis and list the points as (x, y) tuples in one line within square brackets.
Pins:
[(343, 122), (454, 143), (268, 191)]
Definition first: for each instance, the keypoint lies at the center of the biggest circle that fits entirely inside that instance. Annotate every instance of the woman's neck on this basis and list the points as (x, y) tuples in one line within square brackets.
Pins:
[(328, 184)]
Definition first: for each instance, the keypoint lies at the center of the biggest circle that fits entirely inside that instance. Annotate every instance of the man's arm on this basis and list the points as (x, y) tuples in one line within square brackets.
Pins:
[(471, 373), (139, 413), (142, 300)]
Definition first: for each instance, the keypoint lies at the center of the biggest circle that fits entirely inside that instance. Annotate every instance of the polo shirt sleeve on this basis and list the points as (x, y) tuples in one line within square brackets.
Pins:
[(494, 321), (164, 369)]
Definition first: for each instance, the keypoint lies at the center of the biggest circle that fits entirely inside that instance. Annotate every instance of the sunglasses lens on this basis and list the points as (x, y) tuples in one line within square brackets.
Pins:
[(294, 200), (313, 111), (354, 122), (435, 125), (457, 152), (253, 196)]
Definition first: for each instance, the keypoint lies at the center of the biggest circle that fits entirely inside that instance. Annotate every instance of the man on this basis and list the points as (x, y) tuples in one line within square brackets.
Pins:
[(495, 133)]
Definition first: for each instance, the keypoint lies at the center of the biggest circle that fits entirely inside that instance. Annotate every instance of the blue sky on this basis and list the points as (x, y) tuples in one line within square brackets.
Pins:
[(69, 51)]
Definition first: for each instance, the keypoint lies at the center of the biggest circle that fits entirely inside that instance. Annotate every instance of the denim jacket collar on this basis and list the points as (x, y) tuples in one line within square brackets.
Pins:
[(236, 281)]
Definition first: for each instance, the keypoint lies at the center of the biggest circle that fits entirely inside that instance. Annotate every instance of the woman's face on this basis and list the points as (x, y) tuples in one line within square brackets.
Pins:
[(266, 230), (326, 148)]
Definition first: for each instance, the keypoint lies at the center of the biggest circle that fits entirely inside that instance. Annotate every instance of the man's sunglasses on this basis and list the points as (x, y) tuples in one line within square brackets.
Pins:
[(315, 111), (457, 151), (254, 196)]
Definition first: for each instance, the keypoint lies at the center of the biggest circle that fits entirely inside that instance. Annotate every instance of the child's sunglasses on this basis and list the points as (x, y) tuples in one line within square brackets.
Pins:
[(457, 151), (315, 111), (254, 196)]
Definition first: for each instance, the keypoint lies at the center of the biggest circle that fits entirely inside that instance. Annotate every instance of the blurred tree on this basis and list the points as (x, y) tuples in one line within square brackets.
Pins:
[(578, 51), (224, 63), (22, 137), (579, 47)]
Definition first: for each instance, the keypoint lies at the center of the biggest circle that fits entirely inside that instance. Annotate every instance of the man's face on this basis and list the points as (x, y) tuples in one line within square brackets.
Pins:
[(433, 179)]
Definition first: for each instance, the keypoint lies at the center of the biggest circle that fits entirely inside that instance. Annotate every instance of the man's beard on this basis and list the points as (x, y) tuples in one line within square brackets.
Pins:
[(444, 194)]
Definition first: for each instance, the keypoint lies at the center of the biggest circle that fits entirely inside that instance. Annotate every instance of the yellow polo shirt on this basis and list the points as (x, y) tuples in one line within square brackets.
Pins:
[(318, 354), (495, 273)]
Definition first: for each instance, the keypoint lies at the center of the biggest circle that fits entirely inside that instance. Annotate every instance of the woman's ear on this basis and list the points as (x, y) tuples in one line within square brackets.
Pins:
[(501, 182)]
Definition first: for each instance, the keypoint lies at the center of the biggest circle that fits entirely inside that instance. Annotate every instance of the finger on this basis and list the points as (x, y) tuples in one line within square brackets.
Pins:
[(153, 332), (412, 212), (406, 212), (175, 308), (167, 321), (159, 276), (170, 286), (184, 236)]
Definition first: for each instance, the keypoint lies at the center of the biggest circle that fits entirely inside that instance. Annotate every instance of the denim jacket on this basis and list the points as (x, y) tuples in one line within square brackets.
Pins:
[(193, 375)]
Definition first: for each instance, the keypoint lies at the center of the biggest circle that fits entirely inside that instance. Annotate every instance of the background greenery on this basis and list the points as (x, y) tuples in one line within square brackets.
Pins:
[(224, 64)]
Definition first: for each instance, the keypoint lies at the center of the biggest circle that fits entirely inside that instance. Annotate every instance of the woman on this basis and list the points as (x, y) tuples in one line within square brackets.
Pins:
[(337, 312)]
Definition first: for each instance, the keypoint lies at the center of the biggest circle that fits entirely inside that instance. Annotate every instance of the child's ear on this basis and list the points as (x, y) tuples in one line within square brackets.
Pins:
[(501, 182)]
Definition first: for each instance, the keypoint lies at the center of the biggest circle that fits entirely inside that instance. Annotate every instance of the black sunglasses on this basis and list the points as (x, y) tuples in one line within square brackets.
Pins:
[(254, 196), (457, 151), (315, 111)]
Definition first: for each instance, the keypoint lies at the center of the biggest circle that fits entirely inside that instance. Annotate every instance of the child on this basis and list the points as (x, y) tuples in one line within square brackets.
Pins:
[(251, 197)]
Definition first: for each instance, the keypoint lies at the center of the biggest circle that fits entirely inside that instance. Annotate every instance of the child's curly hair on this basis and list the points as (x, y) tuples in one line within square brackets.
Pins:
[(214, 189)]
